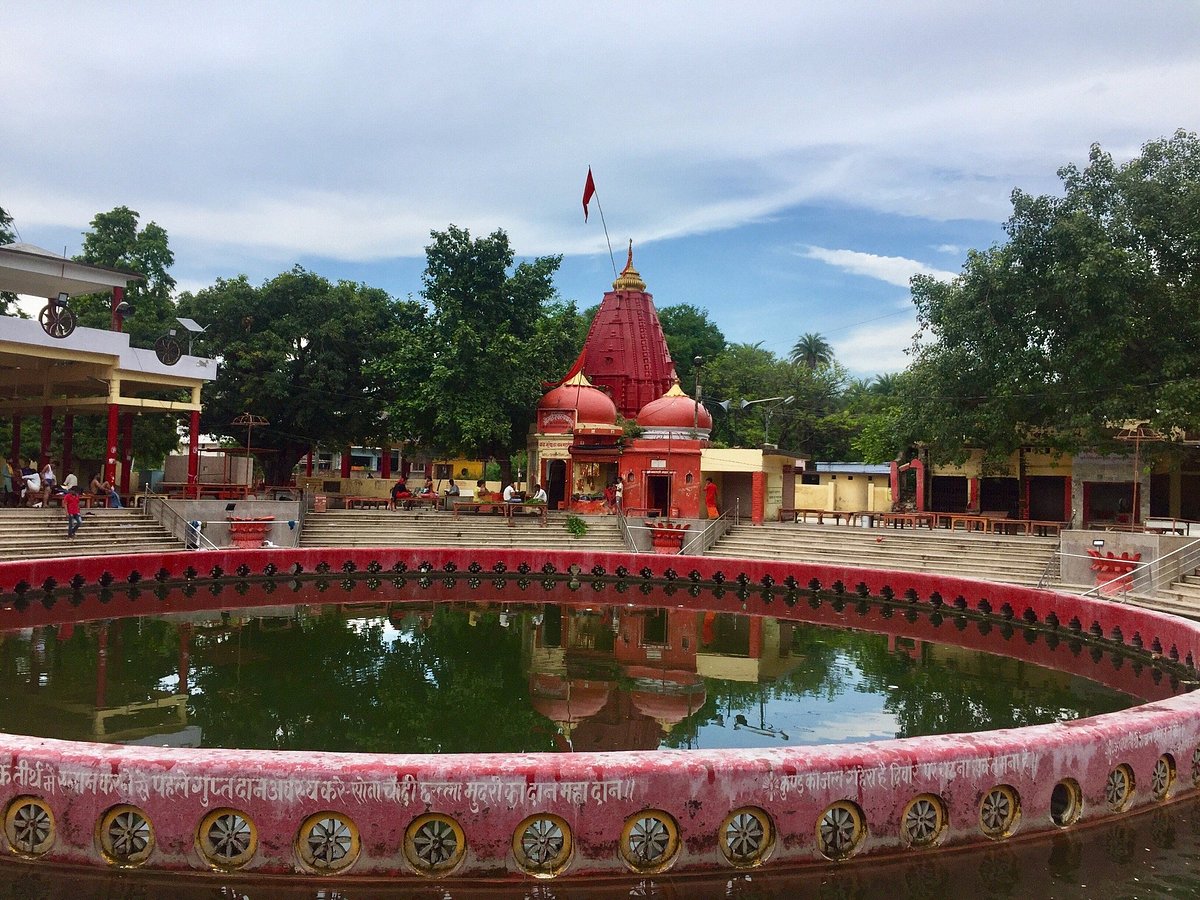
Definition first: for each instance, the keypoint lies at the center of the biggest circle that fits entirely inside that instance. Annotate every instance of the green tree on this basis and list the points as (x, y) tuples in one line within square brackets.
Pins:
[(690, 333), (8, 300), (469, 371), (1088, 315), (115, 240), (812, 351), (295, 352)]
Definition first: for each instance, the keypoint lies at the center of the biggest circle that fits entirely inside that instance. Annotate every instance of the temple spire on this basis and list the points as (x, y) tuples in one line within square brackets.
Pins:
[(629, 279)]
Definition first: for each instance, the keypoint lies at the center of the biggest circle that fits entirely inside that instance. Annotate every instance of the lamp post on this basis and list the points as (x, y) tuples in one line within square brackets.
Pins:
[(767, 411), (699, 364), (249, 420)]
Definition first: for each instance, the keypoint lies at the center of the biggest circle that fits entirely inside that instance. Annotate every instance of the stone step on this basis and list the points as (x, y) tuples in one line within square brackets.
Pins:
[(1016, 559)]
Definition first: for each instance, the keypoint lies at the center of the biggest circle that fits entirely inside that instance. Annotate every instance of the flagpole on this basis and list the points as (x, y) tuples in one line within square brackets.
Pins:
[(612, 259), (595, 193)]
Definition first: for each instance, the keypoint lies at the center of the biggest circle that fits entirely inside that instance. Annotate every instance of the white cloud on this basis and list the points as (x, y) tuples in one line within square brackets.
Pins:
[(895, 270), (361, 130), (876, 348), (952, 249)]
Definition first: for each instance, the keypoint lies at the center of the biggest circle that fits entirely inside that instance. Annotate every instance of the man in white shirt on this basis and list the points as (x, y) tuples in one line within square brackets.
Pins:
[(510, 493), (539, 494)]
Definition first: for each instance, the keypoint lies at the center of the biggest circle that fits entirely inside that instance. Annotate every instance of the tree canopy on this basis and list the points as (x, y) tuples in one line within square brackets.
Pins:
[(8, 301), (812, 351), (690, 333), (295, 352), (116, 241), (465, 374), (1087, 316)]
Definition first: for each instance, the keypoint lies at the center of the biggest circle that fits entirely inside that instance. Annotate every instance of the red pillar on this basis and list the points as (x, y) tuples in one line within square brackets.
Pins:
[(193, 470), (47, 430), (110, 447), (117, 297), (385, 466), (185, 667), (68, 447), (308, 464), (126, 451), (345, 462), (758, 496)]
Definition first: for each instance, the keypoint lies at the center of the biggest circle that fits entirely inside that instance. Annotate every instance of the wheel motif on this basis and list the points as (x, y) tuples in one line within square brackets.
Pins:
[(167, 349), (999, 812), (126, 836), (328, 842), (649, 841), (434, 844), (1066, 803), (227, 838), (840, 830), (923, 821), (56, 320), (29, 826), (1162, 778), (747, 837), (1119, 787), (542, 845)]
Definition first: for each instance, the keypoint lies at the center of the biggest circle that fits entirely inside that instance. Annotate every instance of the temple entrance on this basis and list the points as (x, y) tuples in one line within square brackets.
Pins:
[(556, 483), (658, 494)]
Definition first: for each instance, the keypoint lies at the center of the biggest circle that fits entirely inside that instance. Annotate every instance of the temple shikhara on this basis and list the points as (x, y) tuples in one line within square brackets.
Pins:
[(580, 451)]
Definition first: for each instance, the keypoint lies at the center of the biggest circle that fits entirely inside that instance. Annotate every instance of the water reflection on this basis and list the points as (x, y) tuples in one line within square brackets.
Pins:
[(425, 675)]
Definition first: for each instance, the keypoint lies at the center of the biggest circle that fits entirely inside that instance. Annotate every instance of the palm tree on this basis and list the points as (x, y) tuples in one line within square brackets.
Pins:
[(813, 351)]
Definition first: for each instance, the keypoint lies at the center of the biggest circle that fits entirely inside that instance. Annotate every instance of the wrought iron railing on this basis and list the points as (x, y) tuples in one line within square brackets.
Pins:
[(191, 533)]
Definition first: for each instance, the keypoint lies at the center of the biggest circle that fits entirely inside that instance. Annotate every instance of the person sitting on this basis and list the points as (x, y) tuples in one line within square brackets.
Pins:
[(452, 490), (428, 490), (31, 486), (539, 495), (114, 499), (400, 495), (511, 495), (481, 491), (96, 488)]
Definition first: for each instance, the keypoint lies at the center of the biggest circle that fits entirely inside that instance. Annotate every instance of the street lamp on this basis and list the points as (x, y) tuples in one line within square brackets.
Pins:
[(699, 364), (767, 411)]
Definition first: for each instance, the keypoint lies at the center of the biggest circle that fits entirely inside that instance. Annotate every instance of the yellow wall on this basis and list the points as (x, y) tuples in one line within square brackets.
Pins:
[(846, 493)]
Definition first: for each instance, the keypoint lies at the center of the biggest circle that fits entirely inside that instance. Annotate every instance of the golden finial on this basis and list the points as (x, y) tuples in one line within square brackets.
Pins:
[(629, 279)]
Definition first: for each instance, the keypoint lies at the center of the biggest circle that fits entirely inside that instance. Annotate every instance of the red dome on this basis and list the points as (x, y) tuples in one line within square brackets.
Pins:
[(674, 409), (592, 406)]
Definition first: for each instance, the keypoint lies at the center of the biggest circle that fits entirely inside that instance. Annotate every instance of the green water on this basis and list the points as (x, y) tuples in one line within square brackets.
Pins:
[(429, 678)]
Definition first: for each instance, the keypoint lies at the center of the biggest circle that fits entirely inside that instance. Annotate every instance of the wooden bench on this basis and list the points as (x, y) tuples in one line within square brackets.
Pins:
[(788, 514), (905, 519), (366, 502), (480, 506)]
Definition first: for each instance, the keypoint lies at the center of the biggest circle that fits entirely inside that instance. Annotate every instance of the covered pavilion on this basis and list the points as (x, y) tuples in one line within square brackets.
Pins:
[(88, 371)]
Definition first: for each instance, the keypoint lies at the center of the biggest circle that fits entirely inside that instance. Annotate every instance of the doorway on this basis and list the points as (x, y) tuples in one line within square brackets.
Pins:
[(658, 494), (556, 483)]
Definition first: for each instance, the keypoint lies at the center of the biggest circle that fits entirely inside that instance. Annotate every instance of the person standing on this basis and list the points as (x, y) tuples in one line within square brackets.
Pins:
[(70, 502), (710, 498), (619, 493)]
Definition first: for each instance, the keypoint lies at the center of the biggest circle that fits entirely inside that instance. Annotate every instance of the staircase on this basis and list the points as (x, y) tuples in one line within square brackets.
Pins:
[(42, 534), (1016, 559), (428, 528)]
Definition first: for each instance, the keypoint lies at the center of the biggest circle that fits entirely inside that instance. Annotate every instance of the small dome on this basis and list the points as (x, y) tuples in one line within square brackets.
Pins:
[(592, 406), (674, 409)]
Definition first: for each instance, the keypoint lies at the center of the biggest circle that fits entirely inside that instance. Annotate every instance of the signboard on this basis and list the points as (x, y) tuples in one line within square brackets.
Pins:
[(658, 463)]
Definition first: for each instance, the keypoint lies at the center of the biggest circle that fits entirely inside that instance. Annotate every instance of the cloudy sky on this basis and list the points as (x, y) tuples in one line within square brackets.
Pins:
[(786, 166)]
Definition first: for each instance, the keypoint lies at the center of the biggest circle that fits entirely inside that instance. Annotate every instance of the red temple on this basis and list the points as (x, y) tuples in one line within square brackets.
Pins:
[(625, 351)]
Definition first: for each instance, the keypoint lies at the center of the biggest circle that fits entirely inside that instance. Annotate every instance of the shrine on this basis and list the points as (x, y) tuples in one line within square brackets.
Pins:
[(580, 450)]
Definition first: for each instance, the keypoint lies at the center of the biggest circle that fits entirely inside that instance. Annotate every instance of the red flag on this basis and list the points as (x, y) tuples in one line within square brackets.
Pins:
[(589, 188)]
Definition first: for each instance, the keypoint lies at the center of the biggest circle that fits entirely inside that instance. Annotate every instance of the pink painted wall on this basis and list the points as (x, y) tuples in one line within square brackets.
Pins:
[(489, 795)]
